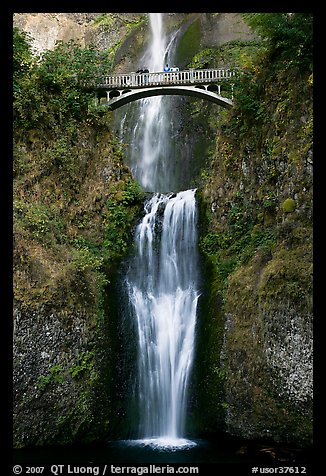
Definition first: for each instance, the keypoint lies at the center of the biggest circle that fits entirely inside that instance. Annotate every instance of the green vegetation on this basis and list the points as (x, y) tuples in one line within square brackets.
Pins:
[(22, 55), (105, 19), (257, 253), (288, 36), (234, 53), (288, 205), (189, 44), (267, 89), (85, 363), (54, 92), (75, 206), (65, 220), (117, 228), (54, 375)]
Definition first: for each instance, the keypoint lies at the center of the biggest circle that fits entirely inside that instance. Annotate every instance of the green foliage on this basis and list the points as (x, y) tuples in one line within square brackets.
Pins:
[(34, 216), (288, 35), (84, 259), (249, 99), (203, 59), (287, 40), (219, 372), (54, 375), (233, 54), (44, 224), (106, 20), (60, 218), (189, 44), (116, 230), (212, 242), (122, 208), (227, 251), (69, 65), (85, 363), (81, 243), (224, 266), (22, 55), (57, 87), (132, 193), (56, 372), (269, 201)]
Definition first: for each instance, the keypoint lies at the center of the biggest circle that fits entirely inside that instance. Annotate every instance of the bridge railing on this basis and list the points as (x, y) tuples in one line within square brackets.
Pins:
[(191, 76)]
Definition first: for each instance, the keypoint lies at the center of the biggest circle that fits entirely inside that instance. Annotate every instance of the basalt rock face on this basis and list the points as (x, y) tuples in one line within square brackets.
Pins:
[(65, 342), (56, 378), (128, 33), (47, 28), (259, 246)]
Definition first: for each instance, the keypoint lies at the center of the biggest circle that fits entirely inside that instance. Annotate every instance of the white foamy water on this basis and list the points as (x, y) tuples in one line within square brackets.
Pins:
[(163, 279), (164, 294)]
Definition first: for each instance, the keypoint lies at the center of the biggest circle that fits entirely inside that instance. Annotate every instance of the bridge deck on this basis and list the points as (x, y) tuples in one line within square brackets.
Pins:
[(177, 78)]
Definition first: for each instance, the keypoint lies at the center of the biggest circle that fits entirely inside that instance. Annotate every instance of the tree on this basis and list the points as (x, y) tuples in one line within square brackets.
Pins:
[(288, 35), (22, 54), (55, 88)]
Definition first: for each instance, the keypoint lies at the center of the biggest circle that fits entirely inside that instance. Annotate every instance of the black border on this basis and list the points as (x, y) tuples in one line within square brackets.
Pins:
[(7, 192)]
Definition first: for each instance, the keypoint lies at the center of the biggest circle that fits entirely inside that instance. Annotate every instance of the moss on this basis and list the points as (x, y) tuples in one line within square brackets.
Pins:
[(105, 19), (207, 409), (188, 45), (85, 363), (289, 205), (288, 276), (254, 293), (54, 375)]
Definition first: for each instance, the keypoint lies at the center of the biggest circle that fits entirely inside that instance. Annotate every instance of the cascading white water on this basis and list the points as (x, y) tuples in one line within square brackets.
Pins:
[(164, 294), (163, 278), (150, 139)]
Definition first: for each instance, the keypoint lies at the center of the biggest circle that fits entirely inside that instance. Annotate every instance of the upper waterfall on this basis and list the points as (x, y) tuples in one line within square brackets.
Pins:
[(150, 155)]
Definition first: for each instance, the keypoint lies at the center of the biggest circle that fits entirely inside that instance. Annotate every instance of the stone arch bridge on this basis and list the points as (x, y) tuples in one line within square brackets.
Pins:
[(122, 89)]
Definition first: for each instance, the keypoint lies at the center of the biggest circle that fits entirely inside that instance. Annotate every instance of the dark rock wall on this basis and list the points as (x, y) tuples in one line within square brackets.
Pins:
[(258, 202)]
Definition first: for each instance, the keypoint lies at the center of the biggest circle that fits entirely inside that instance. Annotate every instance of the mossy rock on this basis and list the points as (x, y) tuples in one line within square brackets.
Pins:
[(189, 44), (289, 205)]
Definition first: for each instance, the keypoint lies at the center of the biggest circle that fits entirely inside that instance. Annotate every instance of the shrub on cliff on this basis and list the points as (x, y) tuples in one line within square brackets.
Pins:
[(56, 87), (288, 35)]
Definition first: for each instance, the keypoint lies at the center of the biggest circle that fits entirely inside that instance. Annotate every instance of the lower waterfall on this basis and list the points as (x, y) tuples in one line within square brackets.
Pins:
[(163, 292)]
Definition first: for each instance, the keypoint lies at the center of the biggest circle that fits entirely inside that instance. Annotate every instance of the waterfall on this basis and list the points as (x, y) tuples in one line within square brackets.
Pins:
[(163, 292), (162, 281), (150, 153)]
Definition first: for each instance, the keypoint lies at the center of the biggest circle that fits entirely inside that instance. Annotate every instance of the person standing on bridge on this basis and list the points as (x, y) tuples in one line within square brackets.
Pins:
[(146, 70), (166, 67)]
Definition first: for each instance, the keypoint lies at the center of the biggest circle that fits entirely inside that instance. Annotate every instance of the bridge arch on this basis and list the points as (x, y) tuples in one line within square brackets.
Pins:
[(118, 98)]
